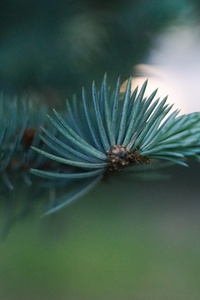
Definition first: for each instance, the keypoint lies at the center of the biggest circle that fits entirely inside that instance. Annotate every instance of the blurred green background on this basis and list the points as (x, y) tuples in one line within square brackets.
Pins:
[(62, 45), (126, 239)]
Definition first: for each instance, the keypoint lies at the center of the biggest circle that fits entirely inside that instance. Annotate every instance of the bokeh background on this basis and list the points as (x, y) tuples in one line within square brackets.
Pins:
[(126, 239)]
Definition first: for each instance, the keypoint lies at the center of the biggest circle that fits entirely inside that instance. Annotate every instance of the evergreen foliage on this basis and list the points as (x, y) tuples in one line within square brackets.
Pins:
[(96, 138), (112, 134), (20, 120)]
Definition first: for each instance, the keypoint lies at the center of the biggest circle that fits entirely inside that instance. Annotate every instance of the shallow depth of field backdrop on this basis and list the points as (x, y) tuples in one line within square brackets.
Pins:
[(125, 239)]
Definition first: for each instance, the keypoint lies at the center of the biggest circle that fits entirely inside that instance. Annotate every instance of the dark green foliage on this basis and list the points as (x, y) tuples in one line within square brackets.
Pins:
[(20, 121)]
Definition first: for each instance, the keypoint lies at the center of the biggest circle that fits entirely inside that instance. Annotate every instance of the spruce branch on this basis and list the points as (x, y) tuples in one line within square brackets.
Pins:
[(108, 135)]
